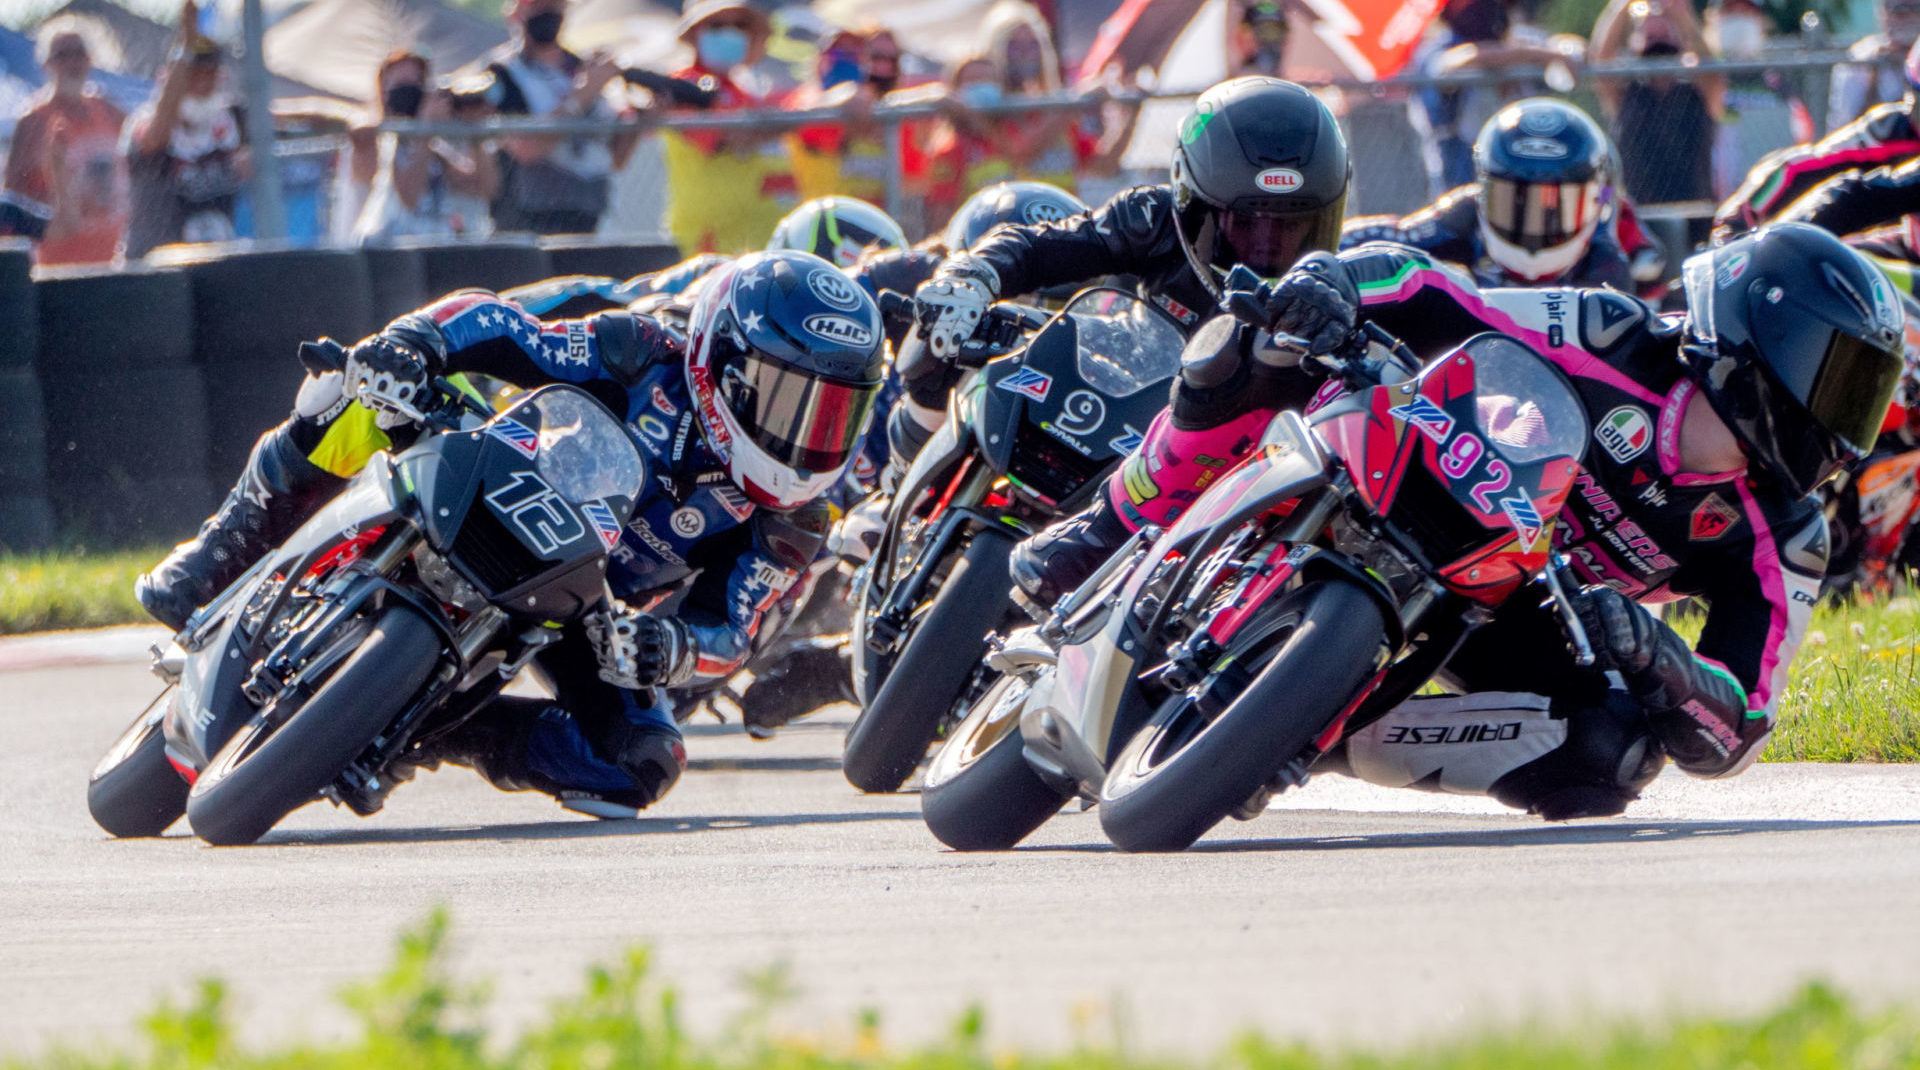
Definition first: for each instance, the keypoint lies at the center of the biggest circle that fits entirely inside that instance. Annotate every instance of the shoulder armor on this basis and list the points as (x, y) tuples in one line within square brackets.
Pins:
[(630, 344), (1608, 317)]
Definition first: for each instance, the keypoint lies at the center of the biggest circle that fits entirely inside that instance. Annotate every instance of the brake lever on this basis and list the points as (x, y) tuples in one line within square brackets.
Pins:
[(1563, 604)]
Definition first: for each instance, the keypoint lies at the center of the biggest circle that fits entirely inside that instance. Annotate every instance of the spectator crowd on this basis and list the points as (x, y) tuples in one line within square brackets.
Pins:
[(89, 183)]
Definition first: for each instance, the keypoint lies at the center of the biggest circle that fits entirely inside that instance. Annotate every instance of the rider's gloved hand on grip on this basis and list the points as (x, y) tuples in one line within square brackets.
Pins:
[(951, 304), (1696, 709), (1315, 301), (1622, 633), (636, 649), (392, 371)]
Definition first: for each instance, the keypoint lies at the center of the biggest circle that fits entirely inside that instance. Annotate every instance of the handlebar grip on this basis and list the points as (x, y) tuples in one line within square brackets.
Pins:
[(895, 305), (323, 356)]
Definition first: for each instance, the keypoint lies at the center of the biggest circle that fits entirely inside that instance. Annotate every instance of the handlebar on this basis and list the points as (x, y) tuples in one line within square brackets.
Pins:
[(1003, 329), (327, 355)]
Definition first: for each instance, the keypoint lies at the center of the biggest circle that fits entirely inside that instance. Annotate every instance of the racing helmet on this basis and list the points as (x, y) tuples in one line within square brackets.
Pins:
[(784, 360), (1008, 202), (1795, 339), (1542, 165), (837, 229), (1259, 178)]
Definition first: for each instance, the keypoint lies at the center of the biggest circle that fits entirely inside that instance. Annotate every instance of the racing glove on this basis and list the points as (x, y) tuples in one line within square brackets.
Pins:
[(636, 649), (1695, 709), (391, 372), (951, 304), (1315, 301)]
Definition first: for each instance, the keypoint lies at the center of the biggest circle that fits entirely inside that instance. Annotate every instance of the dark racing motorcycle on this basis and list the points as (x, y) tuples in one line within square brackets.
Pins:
[(1062, 399), (1312, 588), (392, 615)]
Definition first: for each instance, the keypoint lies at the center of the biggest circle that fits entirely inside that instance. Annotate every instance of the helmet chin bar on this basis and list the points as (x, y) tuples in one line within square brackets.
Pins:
[(1547, 264)]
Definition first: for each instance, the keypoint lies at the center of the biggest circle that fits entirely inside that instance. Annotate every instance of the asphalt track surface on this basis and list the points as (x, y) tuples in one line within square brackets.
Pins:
[(1346, 913)]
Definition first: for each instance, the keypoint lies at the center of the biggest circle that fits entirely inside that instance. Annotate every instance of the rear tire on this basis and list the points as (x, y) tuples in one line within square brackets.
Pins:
[(253, 782), (891, 734), (1180, 775), (981, 794), (135, 791)]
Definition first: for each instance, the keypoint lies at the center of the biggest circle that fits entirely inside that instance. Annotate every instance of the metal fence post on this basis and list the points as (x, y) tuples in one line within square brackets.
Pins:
[(269, 210), (896, 161)]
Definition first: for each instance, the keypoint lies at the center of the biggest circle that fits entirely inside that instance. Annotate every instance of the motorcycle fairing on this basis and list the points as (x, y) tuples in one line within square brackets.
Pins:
[(1399, 441), (209, 706)]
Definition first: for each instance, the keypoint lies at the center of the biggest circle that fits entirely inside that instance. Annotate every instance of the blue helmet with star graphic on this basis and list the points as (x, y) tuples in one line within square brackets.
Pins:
[(784, 362)]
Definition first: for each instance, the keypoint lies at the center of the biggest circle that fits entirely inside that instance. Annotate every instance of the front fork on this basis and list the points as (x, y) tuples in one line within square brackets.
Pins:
[(891, 622)]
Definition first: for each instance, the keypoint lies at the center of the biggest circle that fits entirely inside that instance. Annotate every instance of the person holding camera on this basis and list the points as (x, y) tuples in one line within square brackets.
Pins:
[(551, 183), (421, 186)]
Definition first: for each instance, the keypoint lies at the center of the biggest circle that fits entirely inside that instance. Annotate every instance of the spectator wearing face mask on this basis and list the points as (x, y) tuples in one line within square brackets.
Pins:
[(969, 150), (1875, 76), (850, 157), (1477, 35), (186, 152), (729, 188), (1663, 125), (65, 187), (423, 187), (552, 184), (1761, 111)]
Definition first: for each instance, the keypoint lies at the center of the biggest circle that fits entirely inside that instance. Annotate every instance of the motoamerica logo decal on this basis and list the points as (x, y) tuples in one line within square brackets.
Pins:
[(1712, 518), (1625, 433), (1028, 382)]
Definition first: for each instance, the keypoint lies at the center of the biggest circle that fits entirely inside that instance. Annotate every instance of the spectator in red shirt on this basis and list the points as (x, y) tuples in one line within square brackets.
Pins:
[(65, 187), (729, 189)]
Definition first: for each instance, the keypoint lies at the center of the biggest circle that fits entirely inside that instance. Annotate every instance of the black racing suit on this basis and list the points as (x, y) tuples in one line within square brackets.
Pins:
[(1449, 230), (692, 532), (1131, 234), (1635, 522), (1884, 135)]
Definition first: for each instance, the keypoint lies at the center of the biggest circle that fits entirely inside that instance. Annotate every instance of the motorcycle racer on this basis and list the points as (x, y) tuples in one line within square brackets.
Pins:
[(1710, 431), (1259, 177), (1885, 135), (1537, 213), (747, 419)]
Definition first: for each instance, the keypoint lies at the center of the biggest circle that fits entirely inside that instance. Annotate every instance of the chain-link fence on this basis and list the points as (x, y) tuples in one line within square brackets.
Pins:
[(1686, 135)]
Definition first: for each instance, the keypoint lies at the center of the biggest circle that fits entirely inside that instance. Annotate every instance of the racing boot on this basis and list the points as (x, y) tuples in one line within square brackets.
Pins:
[(278, 490), (1057, 560), (809, 674), (1162, 476)]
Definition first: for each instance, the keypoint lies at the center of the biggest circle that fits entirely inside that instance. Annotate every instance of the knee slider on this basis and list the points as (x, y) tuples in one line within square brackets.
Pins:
[(1608, 757), (654, 760)]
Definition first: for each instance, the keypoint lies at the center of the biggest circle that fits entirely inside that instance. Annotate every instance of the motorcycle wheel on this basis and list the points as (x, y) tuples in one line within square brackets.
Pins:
[(135, 791), (980, 793), (891, 734), (265, 773), (1187, 769)]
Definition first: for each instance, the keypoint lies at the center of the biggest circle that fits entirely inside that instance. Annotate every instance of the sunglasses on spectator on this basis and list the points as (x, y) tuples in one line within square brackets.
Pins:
[(75, 52), (724, 22)]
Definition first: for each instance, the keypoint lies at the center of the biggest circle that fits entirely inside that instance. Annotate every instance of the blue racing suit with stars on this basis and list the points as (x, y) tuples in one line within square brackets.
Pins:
[(694, 535)]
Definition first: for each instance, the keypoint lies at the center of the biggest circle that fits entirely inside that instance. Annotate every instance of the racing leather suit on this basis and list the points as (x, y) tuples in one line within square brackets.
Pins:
[(1884, 135), (1635, 522), (1449, 230), (693, 532)]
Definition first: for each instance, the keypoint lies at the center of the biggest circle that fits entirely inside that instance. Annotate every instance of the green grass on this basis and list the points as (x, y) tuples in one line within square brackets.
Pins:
[(1854, 693), (71, 589), (418, 1016)]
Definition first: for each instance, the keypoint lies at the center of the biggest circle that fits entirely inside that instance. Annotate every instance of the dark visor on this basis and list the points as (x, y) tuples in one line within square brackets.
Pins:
[(1269, 244), (1847, 389), (1536, 215), (801, 420)]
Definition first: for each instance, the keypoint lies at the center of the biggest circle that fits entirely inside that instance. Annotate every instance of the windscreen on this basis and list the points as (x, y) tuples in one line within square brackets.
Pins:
[(585, 453), (1125, 345), (1525, 406)]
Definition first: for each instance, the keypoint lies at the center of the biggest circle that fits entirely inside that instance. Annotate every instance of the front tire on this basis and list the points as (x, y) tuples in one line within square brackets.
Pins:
[(981, 794), (135, 791), (263, 774), (1184, 772), (891, 734)]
